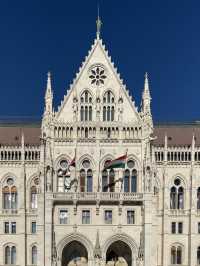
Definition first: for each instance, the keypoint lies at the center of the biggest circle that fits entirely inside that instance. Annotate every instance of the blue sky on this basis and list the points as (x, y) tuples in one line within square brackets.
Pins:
[(160, 37)]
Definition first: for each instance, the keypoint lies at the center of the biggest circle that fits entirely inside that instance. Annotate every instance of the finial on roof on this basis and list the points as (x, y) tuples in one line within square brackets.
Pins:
[(99, 24), (48, 88)]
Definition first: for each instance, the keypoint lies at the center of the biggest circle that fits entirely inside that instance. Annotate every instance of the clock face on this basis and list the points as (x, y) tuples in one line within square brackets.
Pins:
[(97, 75)]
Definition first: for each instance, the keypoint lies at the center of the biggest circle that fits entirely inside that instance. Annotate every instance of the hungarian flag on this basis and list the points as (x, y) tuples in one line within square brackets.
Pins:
[(117, 163), (73, 162)]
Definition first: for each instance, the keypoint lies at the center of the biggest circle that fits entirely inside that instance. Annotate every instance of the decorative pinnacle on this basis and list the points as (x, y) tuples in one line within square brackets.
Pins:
[(48, 89), (99, 24)]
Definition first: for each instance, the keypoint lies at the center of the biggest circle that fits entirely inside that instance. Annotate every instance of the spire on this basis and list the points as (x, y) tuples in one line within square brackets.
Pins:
[(146, 100), (48, 95), (99, 24), (48, 89), (146, 92), (97, 249)]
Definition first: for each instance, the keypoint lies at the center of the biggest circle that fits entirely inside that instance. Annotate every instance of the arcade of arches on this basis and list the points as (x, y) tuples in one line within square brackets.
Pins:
[(75, 254)]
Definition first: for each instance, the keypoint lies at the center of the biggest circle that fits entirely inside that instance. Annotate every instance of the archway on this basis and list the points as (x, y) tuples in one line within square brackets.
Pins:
[(74, 254), (119, 254)]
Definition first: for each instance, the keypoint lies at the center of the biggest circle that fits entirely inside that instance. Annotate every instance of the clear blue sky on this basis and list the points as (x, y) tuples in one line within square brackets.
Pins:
[(160, 37)]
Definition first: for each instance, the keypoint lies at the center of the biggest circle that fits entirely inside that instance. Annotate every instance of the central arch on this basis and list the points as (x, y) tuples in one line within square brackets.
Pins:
[(119, 251), (75, 242), (74, 254), (120, 248)]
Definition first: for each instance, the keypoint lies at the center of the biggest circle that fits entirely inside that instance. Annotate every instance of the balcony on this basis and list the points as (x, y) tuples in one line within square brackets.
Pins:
[(98, 196), (9, 211)]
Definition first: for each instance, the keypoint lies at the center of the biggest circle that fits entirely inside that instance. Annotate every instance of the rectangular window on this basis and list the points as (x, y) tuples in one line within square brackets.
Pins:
[(180, 227), (173, 229), (130, 217), (6, 227), (63, 216), (199, 228), (85, 217), (33, 227), (13, 227), (108, 217)]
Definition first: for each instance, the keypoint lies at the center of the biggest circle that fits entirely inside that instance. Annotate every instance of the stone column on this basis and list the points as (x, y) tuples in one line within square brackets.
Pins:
[(48, 229), (147, 228)]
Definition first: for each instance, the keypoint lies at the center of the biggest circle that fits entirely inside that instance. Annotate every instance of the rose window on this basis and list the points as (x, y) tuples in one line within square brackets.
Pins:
[(97, 75)]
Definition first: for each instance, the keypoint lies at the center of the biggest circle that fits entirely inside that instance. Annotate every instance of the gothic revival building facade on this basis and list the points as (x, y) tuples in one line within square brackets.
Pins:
[(97, 183)]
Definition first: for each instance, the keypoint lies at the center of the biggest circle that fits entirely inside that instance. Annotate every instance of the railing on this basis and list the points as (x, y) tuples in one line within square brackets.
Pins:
[(102, 196), (177, 212), (9, 211)]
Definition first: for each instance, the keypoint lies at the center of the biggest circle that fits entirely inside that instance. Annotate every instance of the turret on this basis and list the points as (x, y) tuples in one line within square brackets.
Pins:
[(146, 101), (48, 111), (48, 97)]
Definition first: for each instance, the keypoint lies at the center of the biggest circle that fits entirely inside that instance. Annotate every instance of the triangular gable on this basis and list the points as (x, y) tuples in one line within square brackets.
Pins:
[(97, 55)]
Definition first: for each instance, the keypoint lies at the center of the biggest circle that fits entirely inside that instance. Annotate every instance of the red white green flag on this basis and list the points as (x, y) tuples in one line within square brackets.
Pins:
[(117, 163), (73, 162)]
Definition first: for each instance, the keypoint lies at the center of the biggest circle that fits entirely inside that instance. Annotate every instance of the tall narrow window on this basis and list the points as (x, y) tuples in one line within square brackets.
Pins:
[(198, 198), (108, 217), (63, 176), (130, 217), (63, 216), (85, 217), (177, 195), (109, 106), (10, 255), (10, 195), (86, 106), (34, 255), (198, 256), (33, 227), (130, 177), (176, 255), (86, 177), (33, 197)]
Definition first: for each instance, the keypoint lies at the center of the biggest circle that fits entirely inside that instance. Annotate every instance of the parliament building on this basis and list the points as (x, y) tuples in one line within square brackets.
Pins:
[(96, 182)]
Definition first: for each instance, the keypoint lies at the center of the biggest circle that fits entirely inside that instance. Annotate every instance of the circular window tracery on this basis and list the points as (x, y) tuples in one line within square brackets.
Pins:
[(97, 75)]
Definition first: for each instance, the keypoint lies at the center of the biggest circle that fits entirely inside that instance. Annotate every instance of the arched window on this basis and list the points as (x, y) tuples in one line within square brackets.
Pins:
[(108, 179), (33, 197), (176, 255), (9, 194), (86, 177), (198, 198), (198, 255), (109, 106), (177, 195), (63, 176), (86, 106), (34, 255), (130, 177), (10, 255)]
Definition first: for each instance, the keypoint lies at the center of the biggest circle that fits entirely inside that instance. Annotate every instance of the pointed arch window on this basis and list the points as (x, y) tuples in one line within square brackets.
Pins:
[(33, 197), (198, 255), (86, 106), (198, 198), (177, 195), (108, 179), (176, 255), (86, 177), (63, 176), (10, 194), (130, 177), (109, 106), (10, 255), (34, 255)]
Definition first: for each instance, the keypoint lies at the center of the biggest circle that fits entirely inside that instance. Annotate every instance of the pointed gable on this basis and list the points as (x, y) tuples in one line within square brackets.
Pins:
[(98, 75)]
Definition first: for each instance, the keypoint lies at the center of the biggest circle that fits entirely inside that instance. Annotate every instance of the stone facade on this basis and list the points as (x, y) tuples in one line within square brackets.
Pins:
[(61, 205)]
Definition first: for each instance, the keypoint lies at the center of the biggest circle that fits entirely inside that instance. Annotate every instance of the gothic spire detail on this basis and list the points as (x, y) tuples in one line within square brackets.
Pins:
[(146, 92), (48, 96), (99, 24), (97, 249)]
